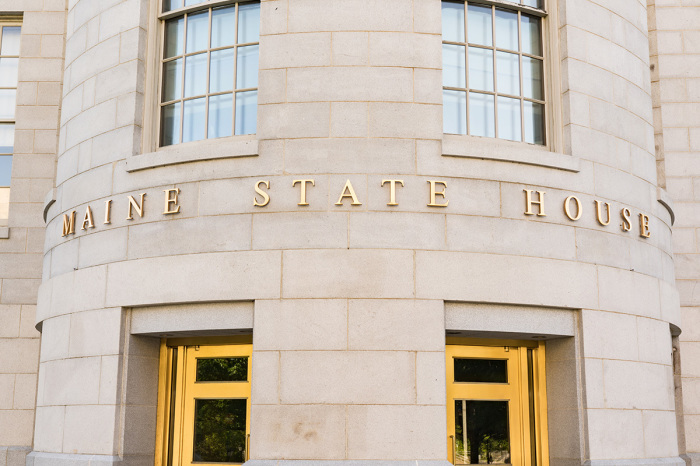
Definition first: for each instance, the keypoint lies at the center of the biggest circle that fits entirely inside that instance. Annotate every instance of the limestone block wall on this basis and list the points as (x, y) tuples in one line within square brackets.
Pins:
[(349, 300), (678, 71), (79, 396), (22, 226)]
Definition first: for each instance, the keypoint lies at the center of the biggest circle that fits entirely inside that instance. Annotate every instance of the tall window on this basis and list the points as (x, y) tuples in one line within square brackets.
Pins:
[(209, 70), (9, 59), (493, 67)]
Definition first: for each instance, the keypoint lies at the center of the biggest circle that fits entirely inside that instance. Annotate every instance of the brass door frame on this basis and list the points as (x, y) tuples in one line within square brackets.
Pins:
[(177, 391), (527, 418)]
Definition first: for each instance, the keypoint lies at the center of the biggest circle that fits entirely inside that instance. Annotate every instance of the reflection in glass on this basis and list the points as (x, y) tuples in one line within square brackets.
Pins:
[(533, 119), (7, 103), (195, 75), (508, 71), (530, 29), (8, 72), (453, 21), (533, 84), (10, 40), (219, 431), (481, 370), (481, 432), (454, 112), (193, 2), (172, 80), (248, 23), (171, 5), (480, 26), (222, 369), (194, 120), (506, 29), (174, 32), (453, 72), (221, 71), (7, 138), (247, 67), (5, 171), (481, 115), (480, 69), (532, 3), (171, 124), (223, 31), (197, 31), (246, 112), (509, 119)]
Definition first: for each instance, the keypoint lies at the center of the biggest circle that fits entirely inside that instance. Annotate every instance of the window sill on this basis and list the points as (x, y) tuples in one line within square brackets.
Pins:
[(210, 149), (474, 147)]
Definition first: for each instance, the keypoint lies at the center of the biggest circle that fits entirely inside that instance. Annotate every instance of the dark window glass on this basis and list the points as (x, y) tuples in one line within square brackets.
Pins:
[(481, 370), (219, 431), (482, 433), (222, 369)]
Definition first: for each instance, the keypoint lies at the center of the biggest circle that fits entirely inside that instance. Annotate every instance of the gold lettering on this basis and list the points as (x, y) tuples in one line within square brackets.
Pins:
[(567, 210), (302, 185), (644, 226), (625, 214), (539, 202), (108, 212), (68, 224), (135, 206), (265, 196), (600, 214), (171, 206), (392, 190), (434, 193), (348, 191), (87, 220)]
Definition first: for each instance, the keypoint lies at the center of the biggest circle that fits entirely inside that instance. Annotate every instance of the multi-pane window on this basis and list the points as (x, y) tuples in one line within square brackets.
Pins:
[(9, 59), (493, 70), (209, 70)]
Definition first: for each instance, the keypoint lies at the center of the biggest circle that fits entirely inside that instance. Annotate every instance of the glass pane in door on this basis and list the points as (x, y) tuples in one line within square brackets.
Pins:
[(219, 430), (482, 435)]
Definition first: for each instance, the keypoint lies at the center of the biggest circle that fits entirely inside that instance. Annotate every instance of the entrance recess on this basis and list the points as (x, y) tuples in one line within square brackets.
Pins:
[(496, 403), (204, 403)]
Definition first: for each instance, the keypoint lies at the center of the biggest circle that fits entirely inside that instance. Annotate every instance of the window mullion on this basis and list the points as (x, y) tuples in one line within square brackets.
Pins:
[(466, 62), (182, 90), (495, 71), (235, 70), (206, 97), (521, 78)]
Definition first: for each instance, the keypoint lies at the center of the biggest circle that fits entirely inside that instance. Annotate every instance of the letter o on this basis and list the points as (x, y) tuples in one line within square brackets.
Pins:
[(567, 210)]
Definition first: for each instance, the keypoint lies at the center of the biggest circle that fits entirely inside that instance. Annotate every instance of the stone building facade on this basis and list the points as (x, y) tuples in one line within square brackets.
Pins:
[(381, 245)]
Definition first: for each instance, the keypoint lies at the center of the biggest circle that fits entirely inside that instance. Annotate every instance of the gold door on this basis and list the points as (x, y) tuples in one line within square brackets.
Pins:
[(204, 404), (496, 409)]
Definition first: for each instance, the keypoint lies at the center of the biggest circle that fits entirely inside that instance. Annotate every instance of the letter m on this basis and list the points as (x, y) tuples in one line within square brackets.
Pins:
[(68, 224)]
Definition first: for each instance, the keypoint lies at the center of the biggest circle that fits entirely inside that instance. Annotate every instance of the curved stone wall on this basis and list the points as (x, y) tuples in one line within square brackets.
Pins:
[(351, 92)]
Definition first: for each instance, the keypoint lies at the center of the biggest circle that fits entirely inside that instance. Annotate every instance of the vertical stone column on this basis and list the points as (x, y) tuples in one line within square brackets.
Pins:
[(22, 234), (346, 91), (608, 121), (82, 407), (678, 71)]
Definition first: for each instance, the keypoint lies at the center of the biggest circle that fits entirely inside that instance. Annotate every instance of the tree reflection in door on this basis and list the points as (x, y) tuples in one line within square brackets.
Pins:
[(219, 431), (481, 431)]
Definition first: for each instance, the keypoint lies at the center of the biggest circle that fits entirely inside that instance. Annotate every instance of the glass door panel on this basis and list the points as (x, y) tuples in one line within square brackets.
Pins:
[(489, 405), (206, 404), (481, 432)]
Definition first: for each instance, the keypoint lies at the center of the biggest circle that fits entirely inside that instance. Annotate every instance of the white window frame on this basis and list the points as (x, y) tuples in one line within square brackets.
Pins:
[(551, 74), (152, 119)]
